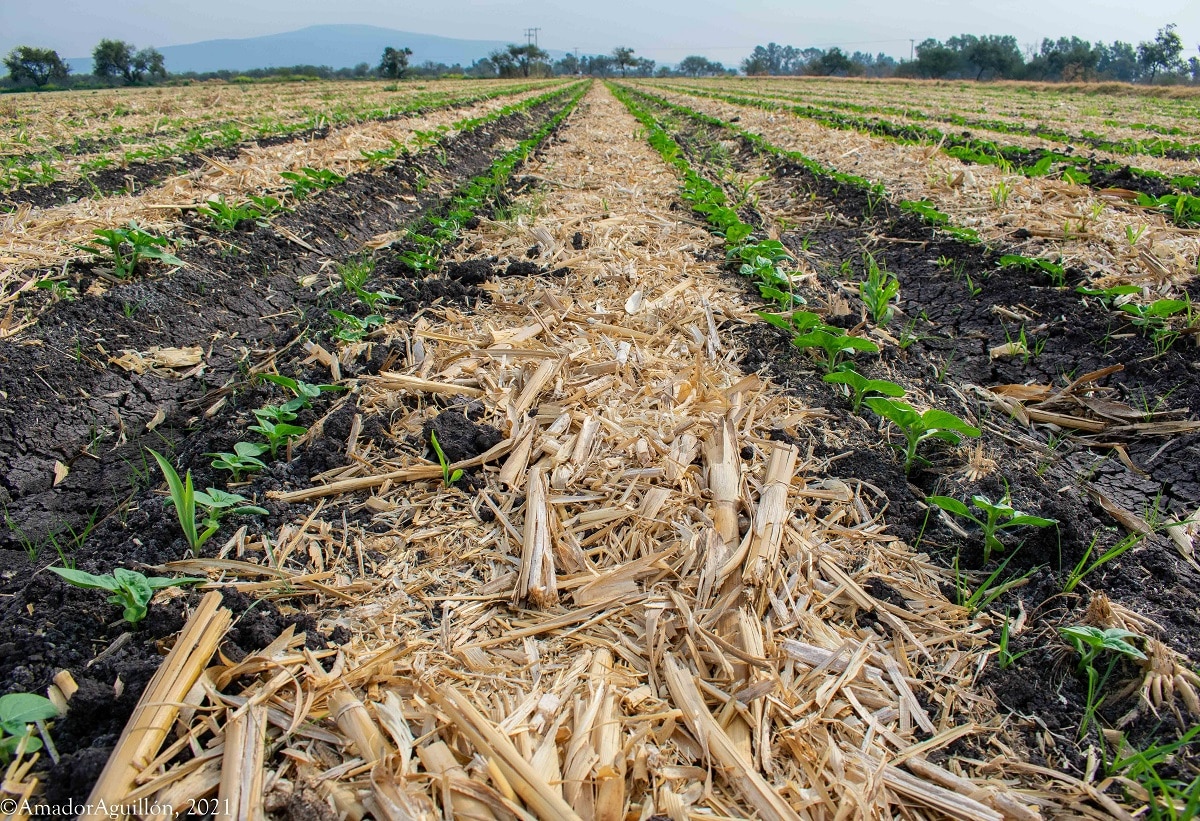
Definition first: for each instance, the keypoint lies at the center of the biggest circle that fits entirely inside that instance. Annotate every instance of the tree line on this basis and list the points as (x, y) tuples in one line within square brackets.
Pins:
[(991, 56), (967, 56)]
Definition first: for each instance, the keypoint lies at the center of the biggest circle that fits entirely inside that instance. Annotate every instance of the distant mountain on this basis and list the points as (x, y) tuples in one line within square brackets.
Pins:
[(336, 46)]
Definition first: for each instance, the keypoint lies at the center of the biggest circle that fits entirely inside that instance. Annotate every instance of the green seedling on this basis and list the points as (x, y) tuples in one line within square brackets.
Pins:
[(124, 248), (1083, 569), (1005, 656), (998, 516), (1109, 295), (277, 434), (878, 291), (267, 205), (351, 328), (1056, 271), (1168, 797), (1184, 209), (990, 589), (19, 714), (227, 217), (130, 589), (1090, 642), (302, 392), (448, 477), (243, 461), (859, 386), (58, 289), (354, 278), (834, 343), (918, 426), (1132, 235), (276, 413), (307, 180), (1154, 315), (215, 504)]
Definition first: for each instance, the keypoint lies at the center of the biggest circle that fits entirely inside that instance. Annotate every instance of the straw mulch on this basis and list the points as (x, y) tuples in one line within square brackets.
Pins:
[(655, 602)]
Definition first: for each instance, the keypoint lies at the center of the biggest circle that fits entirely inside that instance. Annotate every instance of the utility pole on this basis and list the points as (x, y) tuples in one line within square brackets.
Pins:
[(531, 36), (911, 48)]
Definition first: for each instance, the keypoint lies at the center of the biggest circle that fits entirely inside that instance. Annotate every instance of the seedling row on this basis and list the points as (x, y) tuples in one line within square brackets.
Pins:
[(1004, 558)]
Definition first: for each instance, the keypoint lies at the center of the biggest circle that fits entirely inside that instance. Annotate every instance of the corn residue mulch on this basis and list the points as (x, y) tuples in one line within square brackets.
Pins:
[(649, 604)]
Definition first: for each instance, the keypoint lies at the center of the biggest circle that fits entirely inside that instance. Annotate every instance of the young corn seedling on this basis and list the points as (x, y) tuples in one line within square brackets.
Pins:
[(1083, 569), (448, 477), (1056, 271), (918, 426), (129, 588), (859, 386), (1090, 642), (20, 713), (354, 278), (277, 433), (124, 248), (878, 291), (215, 505), (998, 517), (243, 461)]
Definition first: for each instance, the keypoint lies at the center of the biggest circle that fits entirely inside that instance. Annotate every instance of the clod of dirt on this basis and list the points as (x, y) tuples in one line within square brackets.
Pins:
[(523, 269), (578, 242), (471, 271), (534, 251), (459, 437)]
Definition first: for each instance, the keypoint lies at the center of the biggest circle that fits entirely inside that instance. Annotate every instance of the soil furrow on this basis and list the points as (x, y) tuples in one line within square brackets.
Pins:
[(65, 402)]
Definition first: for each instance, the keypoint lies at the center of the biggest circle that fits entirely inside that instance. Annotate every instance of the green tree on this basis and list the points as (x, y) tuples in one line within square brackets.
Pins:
[(112, 59), (394, 62), (935, 59), (116, 58), (1162, 53), (40, 65), (832, 62), (528, 59), (624, 58), (147, 61)]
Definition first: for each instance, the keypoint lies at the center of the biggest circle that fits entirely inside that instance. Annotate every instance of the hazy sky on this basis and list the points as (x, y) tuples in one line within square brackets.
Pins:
[(665, 31)]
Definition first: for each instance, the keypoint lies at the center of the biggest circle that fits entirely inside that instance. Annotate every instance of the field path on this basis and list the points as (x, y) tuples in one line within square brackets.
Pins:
[(652, 599)]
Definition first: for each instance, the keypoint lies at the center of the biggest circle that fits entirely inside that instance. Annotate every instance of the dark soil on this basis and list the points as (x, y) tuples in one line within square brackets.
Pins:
[(948, 324), (62, 401)]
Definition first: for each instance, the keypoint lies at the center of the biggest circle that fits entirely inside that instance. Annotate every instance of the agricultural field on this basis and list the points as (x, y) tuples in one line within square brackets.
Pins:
[(568, 449)]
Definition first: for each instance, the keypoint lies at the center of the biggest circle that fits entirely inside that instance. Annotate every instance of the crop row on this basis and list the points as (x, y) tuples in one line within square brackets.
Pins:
[(47, 167), (1112, 114), (1038, 217), (977, 150), (89, 121), (1116, 137), (45, 237), (262, 285), (1165, 321)]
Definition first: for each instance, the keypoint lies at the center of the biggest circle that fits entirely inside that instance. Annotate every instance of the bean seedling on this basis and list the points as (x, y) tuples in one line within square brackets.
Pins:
[(277, 433), (1090, 642), (18, 712), (110, 246), (244, 459), (998, 516), (351, 328), (130, 589), (307, 180), (859, 386), (303, 392), (918, 426)]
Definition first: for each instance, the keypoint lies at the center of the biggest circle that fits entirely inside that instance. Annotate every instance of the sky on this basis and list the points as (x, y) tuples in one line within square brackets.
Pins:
[(666, 31)]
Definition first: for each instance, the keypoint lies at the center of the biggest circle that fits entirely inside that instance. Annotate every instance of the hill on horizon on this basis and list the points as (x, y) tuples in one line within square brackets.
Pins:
[(336, 46)]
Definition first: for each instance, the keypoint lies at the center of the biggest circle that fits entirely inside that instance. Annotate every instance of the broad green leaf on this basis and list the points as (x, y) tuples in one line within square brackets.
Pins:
[(86, 580)]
